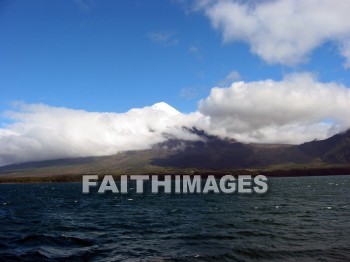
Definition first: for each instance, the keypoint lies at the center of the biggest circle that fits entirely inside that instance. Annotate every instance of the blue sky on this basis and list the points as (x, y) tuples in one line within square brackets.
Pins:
[(116, 55)]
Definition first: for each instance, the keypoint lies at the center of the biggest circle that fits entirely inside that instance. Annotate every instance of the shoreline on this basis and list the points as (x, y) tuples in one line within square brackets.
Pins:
[(334, 171)]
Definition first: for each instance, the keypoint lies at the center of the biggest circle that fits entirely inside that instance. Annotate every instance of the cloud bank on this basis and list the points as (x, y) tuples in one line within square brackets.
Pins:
[(282, 31), (43, 132), (294, 110)]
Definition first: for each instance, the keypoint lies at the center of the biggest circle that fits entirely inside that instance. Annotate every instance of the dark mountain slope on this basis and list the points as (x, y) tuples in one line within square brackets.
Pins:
[(210, 153), (335, 149), (215, 153)]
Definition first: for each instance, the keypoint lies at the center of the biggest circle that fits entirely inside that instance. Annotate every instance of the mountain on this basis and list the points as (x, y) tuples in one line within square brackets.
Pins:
[(332, 150), (208, 154), (162, 106)]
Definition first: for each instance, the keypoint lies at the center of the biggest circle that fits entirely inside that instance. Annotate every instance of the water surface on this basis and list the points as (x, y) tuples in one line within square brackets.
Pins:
[(299, 219)]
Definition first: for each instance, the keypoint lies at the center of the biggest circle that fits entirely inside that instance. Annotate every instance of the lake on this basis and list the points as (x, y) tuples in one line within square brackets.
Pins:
[(299, 219)]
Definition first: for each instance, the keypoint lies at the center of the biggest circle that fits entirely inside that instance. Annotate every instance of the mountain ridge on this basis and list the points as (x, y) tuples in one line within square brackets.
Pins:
[(211, 153)]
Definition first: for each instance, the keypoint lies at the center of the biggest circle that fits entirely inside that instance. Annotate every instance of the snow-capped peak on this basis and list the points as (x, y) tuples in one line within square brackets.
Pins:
[(162, 106)]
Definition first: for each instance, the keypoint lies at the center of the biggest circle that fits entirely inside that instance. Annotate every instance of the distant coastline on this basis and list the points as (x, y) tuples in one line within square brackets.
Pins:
[(297, 172)]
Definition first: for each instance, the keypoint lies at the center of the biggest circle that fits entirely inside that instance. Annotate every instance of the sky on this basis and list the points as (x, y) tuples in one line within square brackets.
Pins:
[(85, 77)]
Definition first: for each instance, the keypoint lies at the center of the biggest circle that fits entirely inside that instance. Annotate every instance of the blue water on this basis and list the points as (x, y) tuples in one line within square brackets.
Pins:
[(299, 219)]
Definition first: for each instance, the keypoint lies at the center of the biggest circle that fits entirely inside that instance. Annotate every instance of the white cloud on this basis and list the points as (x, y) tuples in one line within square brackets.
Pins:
[(282, 31), (44, 132), (294, 110), (164, 38), (231, 77)]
